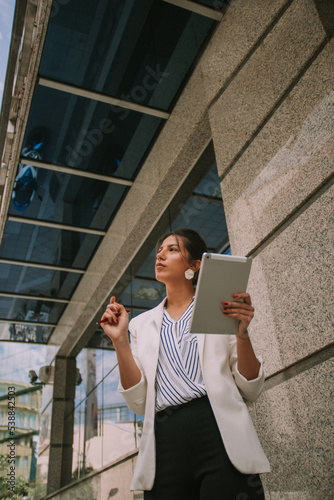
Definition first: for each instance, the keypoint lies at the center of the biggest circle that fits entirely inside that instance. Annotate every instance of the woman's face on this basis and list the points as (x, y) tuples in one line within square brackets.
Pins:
[(171, 260)]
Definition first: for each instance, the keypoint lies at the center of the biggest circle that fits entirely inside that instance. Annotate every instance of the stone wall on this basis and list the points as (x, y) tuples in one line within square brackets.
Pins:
[(272, 123)]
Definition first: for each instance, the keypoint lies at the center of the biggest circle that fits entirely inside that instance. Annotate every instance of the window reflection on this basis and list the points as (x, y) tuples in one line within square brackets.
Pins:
[(40, 282), (73, 200), (90, 135), (101, 415), (135, 51), (25, 242)]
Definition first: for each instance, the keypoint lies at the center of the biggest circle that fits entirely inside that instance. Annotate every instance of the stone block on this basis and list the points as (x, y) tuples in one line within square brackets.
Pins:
[(291, 156), (294, 422), (291, 280), (262, 81)]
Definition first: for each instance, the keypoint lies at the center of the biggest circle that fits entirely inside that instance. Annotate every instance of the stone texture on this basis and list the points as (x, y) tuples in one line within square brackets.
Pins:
[(291, 280), (262, 81), (294, 421), (242, 27), (289, 158)]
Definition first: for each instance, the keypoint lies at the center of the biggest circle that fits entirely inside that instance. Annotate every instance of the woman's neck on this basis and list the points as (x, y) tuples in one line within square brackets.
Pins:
[(179, 295)]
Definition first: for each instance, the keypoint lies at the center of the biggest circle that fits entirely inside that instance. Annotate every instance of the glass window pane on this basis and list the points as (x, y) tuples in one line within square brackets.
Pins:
[(70, 199), (208, 219), (30, 310), (147, 270), (33, 281), (25, 333), (103, 424), (145, 294), (136, 51), (46, 245), (100, 340), (210, 185), (86, 134)]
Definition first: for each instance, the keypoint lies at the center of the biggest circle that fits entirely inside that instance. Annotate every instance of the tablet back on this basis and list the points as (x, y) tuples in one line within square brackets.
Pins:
[(220, 277)]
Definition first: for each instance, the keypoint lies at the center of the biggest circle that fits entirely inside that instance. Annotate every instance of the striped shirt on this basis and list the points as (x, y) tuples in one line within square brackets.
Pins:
[(179, 376)]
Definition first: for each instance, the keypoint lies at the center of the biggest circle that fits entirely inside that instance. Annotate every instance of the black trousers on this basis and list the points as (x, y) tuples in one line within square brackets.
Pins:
[(192, 463)]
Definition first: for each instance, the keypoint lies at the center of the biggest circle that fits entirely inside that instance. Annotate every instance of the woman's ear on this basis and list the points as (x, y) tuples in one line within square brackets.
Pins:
[(196, 265)]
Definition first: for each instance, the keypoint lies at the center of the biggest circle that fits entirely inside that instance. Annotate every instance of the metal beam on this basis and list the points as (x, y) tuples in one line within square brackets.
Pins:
[(55, 225), (20, 436), (27, 323), (97, 96), (33, 297), (216, 15), (16, 39), (75, 171), (34, 388), (208, 199), (42, 266)]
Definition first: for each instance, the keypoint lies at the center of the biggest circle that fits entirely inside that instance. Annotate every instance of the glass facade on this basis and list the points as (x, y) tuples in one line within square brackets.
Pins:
[(135, 56), (123, 65), (73, 200), (101, 415), (50, 283), (88, 135), (31, 310), (47, 245)]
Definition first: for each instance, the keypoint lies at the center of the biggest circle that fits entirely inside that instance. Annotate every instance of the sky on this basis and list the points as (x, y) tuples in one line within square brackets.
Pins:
[(7, 8)]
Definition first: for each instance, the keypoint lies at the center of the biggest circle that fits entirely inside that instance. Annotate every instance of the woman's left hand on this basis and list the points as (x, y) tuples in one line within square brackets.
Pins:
[(243, 311)]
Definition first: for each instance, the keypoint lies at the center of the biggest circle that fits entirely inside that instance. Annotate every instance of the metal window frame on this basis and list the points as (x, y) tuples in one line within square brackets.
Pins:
[(33, 297), (197, 8), (27, 323), (38, 265), (98, 96), (75, 171), (55, 225)]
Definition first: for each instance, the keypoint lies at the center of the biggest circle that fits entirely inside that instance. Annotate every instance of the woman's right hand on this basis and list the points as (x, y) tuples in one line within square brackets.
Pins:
[(117, 322)]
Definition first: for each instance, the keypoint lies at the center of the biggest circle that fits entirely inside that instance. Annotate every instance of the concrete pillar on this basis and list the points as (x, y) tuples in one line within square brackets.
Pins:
[(62, 422), (272, 125)]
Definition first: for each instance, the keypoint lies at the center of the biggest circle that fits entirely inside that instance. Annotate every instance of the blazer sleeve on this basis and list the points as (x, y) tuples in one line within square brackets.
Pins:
[(249, 389), (135, 397)]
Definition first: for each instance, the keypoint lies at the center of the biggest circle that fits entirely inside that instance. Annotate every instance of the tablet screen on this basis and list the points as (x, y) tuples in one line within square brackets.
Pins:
[(220, 277)]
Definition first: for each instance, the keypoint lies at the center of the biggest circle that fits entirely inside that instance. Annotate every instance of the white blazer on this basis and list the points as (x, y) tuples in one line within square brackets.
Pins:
[(225, 386)]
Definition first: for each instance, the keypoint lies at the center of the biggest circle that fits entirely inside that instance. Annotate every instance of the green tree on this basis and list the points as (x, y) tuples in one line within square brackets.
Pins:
[(20, 487)]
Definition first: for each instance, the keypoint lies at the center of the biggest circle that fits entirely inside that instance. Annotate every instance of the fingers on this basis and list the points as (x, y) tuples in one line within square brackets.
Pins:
[(242, 317), (245, 296), (237, 306), (244, 311), (112, 312)]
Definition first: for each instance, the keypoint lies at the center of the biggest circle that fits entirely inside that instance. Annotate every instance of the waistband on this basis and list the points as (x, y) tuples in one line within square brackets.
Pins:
[(161, 415)]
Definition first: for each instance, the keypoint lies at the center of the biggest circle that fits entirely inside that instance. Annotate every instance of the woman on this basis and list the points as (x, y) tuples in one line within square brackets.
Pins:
[(198, 441)]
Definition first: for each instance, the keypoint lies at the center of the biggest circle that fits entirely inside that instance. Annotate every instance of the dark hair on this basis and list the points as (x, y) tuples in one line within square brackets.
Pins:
[(193, 242)]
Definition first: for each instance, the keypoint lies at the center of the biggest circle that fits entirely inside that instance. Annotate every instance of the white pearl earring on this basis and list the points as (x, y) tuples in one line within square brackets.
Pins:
[(189, 274)]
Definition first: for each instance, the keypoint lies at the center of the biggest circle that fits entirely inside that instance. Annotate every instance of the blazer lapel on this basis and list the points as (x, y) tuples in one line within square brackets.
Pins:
[(200, 342), (153, 339)]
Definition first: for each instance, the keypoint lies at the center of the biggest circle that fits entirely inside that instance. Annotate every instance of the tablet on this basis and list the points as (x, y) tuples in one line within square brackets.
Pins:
[(220, 277)]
